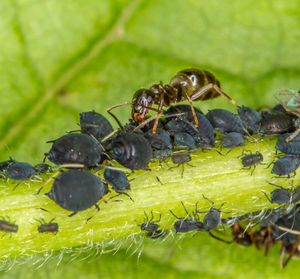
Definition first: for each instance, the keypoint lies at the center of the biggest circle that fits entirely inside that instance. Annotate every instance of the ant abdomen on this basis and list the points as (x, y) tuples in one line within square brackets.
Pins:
[(190, 81)]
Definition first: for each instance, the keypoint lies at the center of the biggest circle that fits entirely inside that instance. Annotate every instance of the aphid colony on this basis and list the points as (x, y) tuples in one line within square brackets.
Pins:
[(172, 134)]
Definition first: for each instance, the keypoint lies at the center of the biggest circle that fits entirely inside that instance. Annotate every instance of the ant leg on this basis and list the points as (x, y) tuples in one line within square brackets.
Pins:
[(193, 110), (114, 117), (161, 104)]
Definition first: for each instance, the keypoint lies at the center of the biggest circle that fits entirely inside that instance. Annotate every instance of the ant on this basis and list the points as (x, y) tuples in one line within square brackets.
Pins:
[(187, 85)]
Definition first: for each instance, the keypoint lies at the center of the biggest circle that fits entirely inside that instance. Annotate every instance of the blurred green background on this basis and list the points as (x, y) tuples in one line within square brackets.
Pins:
[(59, 58)]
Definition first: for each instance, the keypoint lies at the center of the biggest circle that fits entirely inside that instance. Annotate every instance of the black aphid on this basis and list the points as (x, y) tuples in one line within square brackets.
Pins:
[(232, 140), (160, 140), (131, 150), (76, 190), (20, 171), (95, 124), (180, 159), (42, 168), (151, 226), (8, 227), (251, 160), (118, 180), (290, 147), (212, 219), (50, 227), (184, 140), (250, 118), (283, 196), (75, 149), (188, 223), (225, 121), (286, 165)]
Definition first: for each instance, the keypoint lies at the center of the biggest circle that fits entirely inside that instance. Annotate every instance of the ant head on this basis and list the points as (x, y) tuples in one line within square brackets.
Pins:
[(141, 102)]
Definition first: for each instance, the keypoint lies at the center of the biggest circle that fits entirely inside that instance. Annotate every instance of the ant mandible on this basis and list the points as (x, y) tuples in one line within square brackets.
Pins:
[(187, 85)]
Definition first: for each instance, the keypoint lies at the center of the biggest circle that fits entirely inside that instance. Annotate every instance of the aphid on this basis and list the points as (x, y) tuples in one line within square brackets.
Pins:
[(232, 140), (279, 196), (20, 171), (188, 223), (212, 219), (49, 227), (131, 150), (75, 149), (252, 160), (5, 164), (290, 99), (77, 190), (286, 165), (187, 85), (95, 124), (278, 123), (42, 168), (151, 226), (118, 180), (184, 140), (250, 118), (160, 140), (283, 196), (288, 147), (180, 159), (7, 227), (225, 121)]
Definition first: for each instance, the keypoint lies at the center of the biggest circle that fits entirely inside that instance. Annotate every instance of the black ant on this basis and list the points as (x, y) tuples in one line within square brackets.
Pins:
[(187, 85)]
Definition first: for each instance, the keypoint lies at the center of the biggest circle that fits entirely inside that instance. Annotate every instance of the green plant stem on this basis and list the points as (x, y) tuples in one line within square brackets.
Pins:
[(219, 178)]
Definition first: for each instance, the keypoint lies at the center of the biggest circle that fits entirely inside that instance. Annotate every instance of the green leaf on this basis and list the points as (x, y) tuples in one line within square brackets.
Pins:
[(59, 58)]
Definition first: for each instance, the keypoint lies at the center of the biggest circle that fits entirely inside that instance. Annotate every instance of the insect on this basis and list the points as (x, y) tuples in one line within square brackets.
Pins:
[(49, 227), (151, 226), (290, 100), (180, 159), (282, 195), (7, 227), (252, 160), (225, 121), (291, 146), (184, 140), (118, 180), (75, 149), (189, 223), (278, 123), (286, 165), (187, 85), (95, 124), (232, 140), (212, 219), (20, 171), (160, 140), (77, 190), (250, 118), (42, 168), (131, 150)]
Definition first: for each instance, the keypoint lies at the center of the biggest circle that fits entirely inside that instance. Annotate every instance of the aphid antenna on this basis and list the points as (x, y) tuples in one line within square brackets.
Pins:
[(71, 166), (54, 213), (119, 194), (113, 168), (220, 239), (109, 135), (49, 179)]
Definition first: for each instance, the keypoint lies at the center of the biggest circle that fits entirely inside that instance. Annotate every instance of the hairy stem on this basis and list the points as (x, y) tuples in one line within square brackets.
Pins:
[(219, 178)]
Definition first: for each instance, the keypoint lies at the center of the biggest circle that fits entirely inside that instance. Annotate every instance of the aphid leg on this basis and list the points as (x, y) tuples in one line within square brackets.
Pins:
[(157, 178), (267, 197), (294, 134), (179, 218), (292, 253), (88, 219), (16, 186), (152, 217), (55, 174), (186, 210), (254, 166), (114, 117), (268, 240), (220, 239)]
